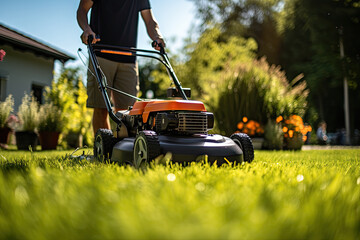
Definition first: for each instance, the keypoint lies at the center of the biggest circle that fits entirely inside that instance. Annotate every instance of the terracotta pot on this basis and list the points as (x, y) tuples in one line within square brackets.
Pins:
[(24, 139), (49, 140), (4, 135)]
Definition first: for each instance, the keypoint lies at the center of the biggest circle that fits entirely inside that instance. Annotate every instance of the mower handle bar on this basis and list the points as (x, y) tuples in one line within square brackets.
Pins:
[(126, 51)]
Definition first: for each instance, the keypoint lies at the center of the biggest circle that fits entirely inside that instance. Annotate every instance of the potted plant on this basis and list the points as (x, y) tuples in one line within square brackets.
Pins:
[(6, 108), (29, 117), (295, 132), (51, 124)]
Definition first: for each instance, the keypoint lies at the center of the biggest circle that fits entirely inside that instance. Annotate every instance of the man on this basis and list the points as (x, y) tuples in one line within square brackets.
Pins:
[(116, 23), (321, 133)]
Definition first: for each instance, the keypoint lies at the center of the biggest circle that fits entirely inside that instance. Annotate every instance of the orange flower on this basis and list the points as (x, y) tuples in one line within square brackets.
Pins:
[(293, 125), (291, 133), (250, 127), (279, 119), (251, 124)]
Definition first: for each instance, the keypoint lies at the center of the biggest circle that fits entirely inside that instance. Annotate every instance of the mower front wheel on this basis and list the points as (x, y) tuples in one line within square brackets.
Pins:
[(146, 148), (245, 143), (103, 145)]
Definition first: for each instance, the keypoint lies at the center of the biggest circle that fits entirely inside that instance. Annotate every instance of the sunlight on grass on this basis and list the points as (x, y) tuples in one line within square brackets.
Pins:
[(287, 195)]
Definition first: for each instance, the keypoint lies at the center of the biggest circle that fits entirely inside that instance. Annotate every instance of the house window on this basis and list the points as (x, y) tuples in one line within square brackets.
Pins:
[(38, 92), (3, 81)]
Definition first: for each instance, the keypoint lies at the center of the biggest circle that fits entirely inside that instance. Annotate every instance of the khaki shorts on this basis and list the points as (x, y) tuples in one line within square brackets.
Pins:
[(122, 76)]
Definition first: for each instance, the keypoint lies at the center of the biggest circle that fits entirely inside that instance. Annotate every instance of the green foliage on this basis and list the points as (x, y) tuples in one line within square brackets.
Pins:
[(209, 57), (51, 118), (157, 78), (257, 91), (292, 195), (28, 113), (68, 93), (311, 40), (6, 108), (254, 19), (226, 76), (303, 37)]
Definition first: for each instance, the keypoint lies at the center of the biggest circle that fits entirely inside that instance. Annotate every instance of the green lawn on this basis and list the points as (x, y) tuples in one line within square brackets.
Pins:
[(281, 195)]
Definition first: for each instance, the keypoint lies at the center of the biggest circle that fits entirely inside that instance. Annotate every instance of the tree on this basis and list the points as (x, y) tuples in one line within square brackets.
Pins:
[(210, 55), (245, 18), (310, 31)]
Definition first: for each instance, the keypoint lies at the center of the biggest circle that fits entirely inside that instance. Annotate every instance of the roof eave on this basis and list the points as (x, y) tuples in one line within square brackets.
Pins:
[(15, 43)]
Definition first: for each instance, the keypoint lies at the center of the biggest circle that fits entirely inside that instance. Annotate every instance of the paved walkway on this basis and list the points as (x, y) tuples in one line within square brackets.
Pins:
[(328, 147)]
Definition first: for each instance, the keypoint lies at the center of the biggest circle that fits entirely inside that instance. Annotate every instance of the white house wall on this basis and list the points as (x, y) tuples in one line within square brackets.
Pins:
[(22, 69)]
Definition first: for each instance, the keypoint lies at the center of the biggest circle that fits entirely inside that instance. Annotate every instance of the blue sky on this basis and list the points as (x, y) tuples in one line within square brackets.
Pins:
[(54, 22)]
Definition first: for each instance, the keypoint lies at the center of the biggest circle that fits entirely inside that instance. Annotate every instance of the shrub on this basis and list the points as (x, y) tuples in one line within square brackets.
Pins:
[(51, 118), (6, 108), (258, 91), (28, 113), (68, 93)]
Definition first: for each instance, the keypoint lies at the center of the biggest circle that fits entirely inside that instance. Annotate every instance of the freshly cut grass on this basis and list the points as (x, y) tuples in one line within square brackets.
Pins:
[(281, 195)]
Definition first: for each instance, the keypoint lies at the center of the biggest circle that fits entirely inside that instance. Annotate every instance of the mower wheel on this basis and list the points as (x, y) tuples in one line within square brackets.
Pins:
[(244, 142), (103, 145), (146, 148)]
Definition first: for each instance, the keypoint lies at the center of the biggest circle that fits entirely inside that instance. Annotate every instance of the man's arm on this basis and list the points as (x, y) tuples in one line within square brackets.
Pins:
[(152, 27), (82, 19)]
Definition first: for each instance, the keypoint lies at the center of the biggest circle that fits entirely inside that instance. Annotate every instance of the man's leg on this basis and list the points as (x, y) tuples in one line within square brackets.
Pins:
[(100, 119), (126, 80), (95, 99)]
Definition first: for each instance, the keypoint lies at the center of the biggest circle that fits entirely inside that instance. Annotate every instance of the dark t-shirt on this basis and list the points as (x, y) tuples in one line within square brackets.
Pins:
[(116, 22)]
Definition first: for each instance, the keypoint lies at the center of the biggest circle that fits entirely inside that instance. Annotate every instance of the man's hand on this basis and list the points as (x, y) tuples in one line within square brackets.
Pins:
[(85, 35), (158, 42)]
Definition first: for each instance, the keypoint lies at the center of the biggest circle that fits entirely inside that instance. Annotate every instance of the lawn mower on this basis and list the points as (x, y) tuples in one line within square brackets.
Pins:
[(176, 125)]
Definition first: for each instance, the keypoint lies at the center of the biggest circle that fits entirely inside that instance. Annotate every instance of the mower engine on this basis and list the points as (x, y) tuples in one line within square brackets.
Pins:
[(184, 123)]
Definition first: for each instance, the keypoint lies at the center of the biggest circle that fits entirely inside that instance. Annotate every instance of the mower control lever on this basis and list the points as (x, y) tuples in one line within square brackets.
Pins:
[(90, 38)]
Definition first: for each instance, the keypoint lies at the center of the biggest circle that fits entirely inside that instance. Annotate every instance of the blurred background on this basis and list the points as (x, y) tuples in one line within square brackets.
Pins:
[(274, 69)]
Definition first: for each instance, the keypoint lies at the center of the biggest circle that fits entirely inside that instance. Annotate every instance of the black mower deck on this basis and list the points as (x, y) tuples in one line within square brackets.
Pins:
[(186, 149)]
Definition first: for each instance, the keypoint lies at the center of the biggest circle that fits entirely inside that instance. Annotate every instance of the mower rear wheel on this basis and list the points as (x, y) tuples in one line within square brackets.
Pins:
[(146, 148), (103, 145), (245, 143)]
